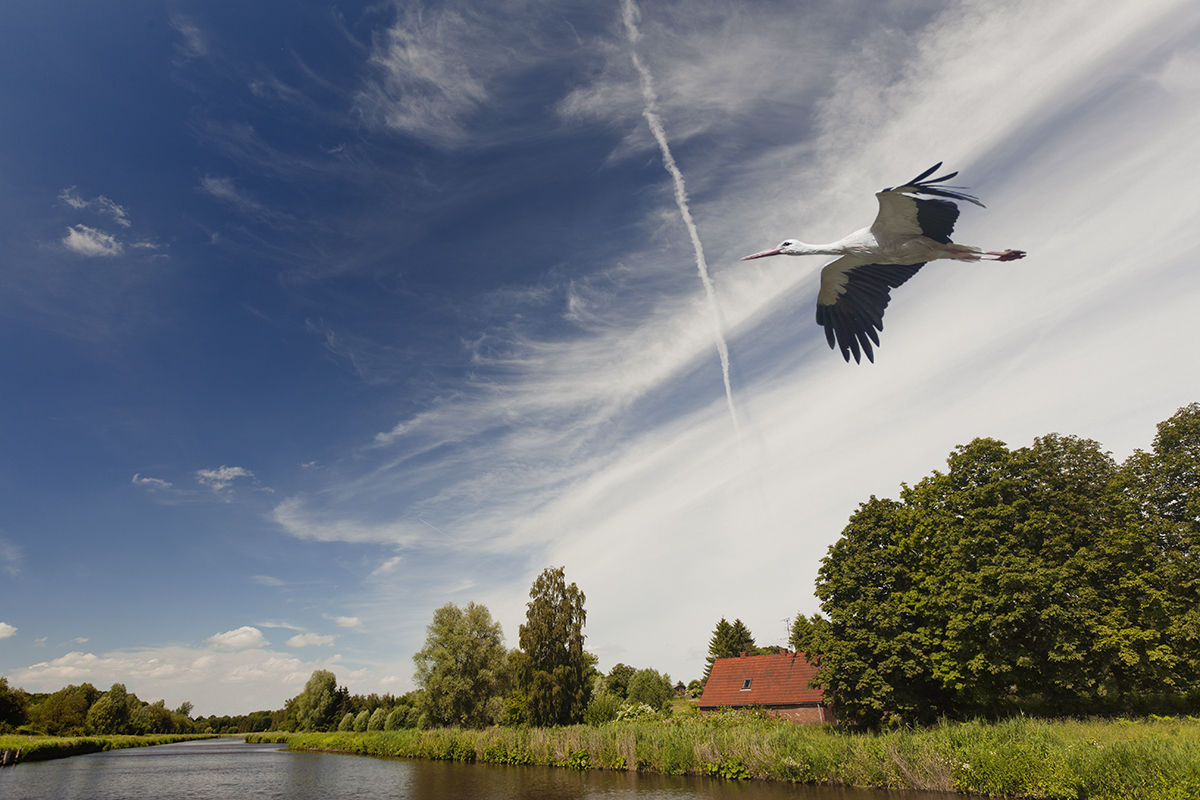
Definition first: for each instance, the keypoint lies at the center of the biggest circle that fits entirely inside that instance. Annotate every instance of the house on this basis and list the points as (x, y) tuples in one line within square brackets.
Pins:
[(776, 683)]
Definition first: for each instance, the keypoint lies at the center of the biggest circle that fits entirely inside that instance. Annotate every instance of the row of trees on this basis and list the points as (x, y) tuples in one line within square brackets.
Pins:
[(82, 709), (468, 678), (1046, 579), (324, 706)]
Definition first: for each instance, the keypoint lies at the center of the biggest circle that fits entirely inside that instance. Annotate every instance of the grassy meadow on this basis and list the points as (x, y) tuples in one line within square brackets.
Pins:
[(41, 748), (1150, 759)]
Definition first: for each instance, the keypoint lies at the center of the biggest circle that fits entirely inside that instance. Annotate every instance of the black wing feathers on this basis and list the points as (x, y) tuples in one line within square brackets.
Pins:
[(851, 321), (936, 218), (922, 184)]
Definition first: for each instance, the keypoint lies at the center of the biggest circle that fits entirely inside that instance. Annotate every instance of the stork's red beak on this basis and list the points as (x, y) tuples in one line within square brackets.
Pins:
[(772, 252)]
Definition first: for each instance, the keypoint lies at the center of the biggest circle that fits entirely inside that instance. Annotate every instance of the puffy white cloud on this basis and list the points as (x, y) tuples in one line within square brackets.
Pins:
[(6, 630), (215, 681), (348, 622), (244, 638), (87, 241)]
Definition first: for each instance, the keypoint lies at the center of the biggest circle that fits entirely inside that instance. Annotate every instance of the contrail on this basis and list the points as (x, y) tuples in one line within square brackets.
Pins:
[(630, 14)]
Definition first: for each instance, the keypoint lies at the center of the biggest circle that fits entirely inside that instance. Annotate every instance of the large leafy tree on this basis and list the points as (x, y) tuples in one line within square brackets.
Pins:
[(12, 706), (553, 670), (617, 680), (1044, 579), (112, 711), (1151, 640), (462, 666), (64, 713), (651, 687), (319, 706)]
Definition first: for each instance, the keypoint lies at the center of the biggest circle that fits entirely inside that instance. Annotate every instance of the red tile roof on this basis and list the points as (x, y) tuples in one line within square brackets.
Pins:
[(775, 679)]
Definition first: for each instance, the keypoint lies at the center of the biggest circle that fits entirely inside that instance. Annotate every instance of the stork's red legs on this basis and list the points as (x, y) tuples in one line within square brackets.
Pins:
[(1005, 255)]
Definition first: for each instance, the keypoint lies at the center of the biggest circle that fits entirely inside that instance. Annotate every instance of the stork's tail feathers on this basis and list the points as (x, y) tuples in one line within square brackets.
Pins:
[(923, 184)]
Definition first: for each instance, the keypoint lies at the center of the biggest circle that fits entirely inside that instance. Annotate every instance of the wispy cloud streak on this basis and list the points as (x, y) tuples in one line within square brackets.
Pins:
[(629, 15)]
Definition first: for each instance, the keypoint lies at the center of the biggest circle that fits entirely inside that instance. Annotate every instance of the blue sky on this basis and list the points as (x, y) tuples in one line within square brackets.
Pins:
[(322, 316)]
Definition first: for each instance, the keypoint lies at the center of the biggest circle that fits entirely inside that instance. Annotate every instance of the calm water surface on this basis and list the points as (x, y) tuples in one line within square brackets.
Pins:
[(229, 769)]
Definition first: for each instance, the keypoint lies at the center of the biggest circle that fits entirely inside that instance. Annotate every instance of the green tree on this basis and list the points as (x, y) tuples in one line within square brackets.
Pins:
[(1150, 642), (13, 705), (1038, 580), (729, 640), (64, 713), (617, 680), (649, 687), (347, 723), (378, 719), (361, 720), (152, 718), (553, 669), (806, 635), (462, 666), (111, 712), (602, 708), (318, 707)]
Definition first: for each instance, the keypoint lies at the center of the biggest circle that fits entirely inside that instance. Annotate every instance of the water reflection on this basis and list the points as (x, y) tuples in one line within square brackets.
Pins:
[(228, 769)]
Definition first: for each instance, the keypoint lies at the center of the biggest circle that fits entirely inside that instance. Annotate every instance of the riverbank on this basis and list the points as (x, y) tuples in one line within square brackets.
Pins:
[(1152, 759), (15, 749)]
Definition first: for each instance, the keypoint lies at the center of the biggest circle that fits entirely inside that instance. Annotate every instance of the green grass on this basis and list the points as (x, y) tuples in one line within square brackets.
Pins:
[(1150, 759), (41, 748)]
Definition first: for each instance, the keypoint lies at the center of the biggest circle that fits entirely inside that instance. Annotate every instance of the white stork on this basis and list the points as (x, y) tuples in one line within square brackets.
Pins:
[(907, 232)]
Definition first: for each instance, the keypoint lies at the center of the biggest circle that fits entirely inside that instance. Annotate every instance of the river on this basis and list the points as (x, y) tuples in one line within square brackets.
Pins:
[(229, 769)]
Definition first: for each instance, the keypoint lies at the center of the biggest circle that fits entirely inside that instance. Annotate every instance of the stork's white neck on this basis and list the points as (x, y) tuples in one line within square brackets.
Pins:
[(806, 249)]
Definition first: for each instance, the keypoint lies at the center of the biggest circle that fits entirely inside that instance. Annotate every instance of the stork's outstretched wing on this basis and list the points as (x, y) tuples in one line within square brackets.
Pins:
[(852, 299), (901, 213)]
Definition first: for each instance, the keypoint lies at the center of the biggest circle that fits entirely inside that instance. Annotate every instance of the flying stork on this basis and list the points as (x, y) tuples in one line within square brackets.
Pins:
[(907, 232)]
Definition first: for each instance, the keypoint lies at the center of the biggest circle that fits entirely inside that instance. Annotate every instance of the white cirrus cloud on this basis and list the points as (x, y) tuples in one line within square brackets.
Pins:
[(303, 523), (195, 41), (246, 637), (101, 204), (225, 189), (71, 197), (310, 640), (90, 242), (6, 630), (10, 557)]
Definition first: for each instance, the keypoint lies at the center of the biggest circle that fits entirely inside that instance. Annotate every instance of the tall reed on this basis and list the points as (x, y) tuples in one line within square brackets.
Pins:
[(41, 748), (1150, 759)]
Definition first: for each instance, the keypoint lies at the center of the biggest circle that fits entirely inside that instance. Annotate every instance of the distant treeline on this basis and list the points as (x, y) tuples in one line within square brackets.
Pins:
[(84, 709)]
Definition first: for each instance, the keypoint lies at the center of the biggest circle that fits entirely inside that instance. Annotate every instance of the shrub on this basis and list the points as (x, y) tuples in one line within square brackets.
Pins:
[(603, 708)]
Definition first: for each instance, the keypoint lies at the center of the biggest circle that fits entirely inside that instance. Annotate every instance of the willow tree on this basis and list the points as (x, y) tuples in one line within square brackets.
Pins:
[(462, 667)]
